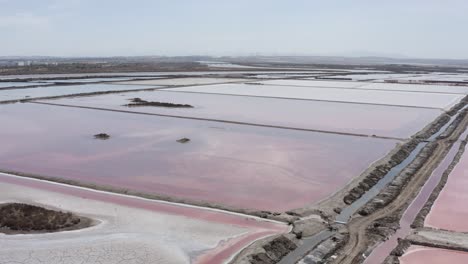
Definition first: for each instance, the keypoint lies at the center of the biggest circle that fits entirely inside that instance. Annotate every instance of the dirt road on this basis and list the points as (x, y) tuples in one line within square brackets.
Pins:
[(359, 242)]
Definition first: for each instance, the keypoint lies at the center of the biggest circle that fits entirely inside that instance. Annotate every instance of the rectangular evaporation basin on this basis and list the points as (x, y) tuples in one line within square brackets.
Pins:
[(385, 121), (91, 80), (418, 88), (18, 84), (184, 81), (449, 210), (310, 75), (366, 77), (27, 93), (428, 255), (135, 74), (85, 75), (238, 166), (414, 99), (314, 83)]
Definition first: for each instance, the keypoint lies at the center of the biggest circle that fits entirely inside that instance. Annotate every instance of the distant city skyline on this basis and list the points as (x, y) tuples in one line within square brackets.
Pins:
[(76, 28)]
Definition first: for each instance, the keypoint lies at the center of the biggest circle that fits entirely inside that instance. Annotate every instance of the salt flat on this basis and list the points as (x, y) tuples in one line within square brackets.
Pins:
[(127, 229)]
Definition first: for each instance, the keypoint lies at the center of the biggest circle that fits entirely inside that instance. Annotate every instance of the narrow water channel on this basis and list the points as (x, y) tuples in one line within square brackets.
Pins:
[(379, 254), (310, 243)]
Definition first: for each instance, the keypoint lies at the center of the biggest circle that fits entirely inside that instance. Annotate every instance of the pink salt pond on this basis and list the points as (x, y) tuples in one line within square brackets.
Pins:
[(426, 255), (449, 210), (232, 165), (380, 120), (150, 229)]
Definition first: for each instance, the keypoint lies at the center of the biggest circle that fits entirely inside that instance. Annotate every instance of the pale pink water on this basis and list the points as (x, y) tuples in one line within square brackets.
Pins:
[(239, 166), (426, 255), (386, 121), (415, 99), (449, 210)]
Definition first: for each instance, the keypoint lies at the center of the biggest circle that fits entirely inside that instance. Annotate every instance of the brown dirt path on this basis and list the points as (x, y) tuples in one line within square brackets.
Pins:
[(358, 242)]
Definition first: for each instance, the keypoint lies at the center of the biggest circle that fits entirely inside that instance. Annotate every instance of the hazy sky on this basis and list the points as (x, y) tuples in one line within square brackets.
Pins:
[(414, 28)]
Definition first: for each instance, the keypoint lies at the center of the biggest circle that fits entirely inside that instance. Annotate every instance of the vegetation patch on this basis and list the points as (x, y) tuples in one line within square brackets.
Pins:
[(183, 140), (102, 136), (24, 218), (136, 102)]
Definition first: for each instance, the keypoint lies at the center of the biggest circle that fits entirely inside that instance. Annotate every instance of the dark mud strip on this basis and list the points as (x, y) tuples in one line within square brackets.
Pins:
[(437, 238), (138, 102), (441, 246), (75, 95), (26, 87), (78, 78)]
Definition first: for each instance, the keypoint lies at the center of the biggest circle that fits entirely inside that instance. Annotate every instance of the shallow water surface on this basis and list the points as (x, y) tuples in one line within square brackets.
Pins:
[(315, 83), (18, 94), (429, 88), (427, 255), (385, 121), (233, 165), (449, 211), (400, 98), (184, 81), (92, 80)]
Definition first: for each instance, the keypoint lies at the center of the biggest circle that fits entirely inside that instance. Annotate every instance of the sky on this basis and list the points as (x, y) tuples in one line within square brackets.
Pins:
[(393, 28)]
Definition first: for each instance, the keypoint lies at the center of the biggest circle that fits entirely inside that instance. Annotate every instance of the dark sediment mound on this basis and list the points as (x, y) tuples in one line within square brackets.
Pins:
[(384, 227), (334, 78), (135, 102), (397, 252), (20, 218), (274, 251), (183, 140), (326, 249), (102, 136)]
